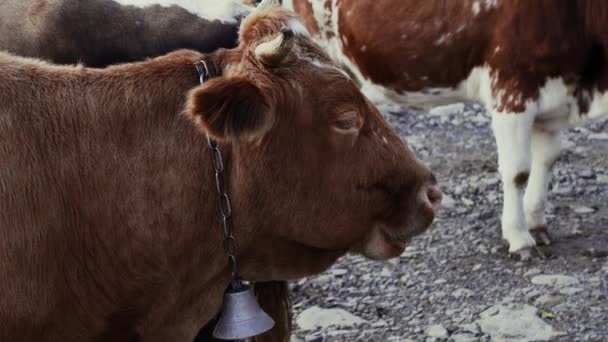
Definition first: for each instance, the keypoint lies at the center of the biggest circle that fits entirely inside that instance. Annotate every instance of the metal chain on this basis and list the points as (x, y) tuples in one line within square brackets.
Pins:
[(225, 207)]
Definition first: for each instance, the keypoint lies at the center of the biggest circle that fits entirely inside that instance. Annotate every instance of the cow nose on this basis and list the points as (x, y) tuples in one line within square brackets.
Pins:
[(433, 194)]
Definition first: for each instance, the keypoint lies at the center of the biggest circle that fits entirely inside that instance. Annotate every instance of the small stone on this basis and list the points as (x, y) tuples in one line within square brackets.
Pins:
[(583, 210), (464, 338), (531, 272), (379, 324), (338, 272), (569, 291), (586, 173), (448, 202), (437, 331), (472, 328), (317, 317), (556, 280), (462, 293), (314, 338), (598, 136), (549, 300), (440, 281), (476, 267)]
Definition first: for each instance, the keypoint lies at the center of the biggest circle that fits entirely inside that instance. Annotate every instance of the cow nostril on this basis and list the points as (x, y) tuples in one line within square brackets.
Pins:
[(433, 179), (434, 195)]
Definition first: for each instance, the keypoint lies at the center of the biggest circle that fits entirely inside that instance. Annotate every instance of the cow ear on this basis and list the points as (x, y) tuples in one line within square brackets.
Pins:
[(230, 108)]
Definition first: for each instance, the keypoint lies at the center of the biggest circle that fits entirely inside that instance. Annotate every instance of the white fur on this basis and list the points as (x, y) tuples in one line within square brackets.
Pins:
[(546, 146), (512, 133), (599, 105), (224, 10), (297, 27), (288, 4), (476, 7)]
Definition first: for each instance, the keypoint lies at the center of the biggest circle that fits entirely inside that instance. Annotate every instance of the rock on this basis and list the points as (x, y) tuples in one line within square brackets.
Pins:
[(569, 291), (440, 281), (549, 300), (437, 331), (531, 272), (379, 324), (515, 323), (463, 338), (448, 201), (556, 280), (458, 293), (599, 136), (399, 339), (314, 338), (472, 328), (455, 108), (583, 210), (317, 317), (338, 272), (587, 173)]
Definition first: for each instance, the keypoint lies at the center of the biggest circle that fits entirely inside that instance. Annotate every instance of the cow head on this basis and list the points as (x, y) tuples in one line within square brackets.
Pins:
[(315, 169)]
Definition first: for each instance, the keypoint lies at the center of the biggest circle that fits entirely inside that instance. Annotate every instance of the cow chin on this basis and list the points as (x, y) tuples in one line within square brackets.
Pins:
[(380, 244)]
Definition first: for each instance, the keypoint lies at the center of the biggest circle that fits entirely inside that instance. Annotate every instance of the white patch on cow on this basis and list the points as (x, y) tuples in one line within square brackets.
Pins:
[(288, 4), (545, 150), (404, 36), (497, 50), (553, 95), (491, 3), (476, 7), (363, 48), (297, 27), (599, 105), (225, 10)]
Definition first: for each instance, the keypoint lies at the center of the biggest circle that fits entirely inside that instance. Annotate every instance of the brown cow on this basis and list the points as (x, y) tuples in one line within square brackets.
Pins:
[(536, 65), (108, 214)]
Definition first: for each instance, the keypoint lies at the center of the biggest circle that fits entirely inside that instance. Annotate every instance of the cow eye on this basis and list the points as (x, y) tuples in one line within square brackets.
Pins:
[(347, 122)]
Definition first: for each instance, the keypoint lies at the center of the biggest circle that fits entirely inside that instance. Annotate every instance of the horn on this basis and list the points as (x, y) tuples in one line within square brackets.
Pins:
[(273, 52), (267, 4), (241, 316)]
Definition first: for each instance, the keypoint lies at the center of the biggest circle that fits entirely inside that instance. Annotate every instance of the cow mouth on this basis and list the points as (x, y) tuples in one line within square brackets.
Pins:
[(396, 243)]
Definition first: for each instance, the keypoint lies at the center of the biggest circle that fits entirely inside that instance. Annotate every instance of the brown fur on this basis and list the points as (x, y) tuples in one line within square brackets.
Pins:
[(107, 202)]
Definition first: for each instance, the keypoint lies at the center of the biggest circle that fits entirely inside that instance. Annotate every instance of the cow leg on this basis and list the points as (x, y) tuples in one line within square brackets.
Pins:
[(545, 151), (513, 134)]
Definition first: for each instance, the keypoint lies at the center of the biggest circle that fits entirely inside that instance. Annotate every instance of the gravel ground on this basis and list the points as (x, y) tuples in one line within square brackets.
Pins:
[(457, 281)]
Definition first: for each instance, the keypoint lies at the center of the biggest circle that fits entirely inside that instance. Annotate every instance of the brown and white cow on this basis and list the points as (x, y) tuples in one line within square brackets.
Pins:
[(108, 213), (536, 65), (105, 32)]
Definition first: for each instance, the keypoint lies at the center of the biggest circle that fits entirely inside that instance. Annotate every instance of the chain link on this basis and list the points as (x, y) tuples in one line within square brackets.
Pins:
[(225, 207)]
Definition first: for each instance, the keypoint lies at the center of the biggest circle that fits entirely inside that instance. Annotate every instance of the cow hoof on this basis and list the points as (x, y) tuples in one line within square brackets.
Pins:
[(541, 235), (520, 240), (528, 254)]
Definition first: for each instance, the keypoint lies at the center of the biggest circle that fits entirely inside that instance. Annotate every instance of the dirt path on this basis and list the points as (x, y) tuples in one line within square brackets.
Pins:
[(457, 283)]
